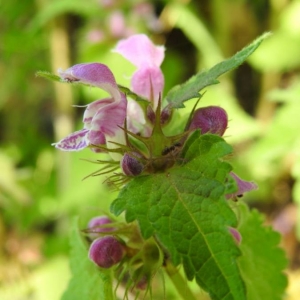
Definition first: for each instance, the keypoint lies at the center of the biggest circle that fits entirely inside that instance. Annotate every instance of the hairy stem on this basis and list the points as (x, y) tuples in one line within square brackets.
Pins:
[(179, 282)]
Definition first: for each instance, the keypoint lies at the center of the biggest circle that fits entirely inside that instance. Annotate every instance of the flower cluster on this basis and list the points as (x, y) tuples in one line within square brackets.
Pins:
[(128, 125), (109, 123), (104, 118)]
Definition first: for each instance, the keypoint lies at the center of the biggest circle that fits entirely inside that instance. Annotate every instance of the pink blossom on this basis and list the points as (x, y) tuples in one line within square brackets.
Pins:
[(148, 80), (116, 22), (103, 118), (235, 234), (243, 186)]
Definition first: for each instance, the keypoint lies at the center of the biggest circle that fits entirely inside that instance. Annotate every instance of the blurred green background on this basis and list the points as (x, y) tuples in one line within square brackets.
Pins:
[(41, 189)]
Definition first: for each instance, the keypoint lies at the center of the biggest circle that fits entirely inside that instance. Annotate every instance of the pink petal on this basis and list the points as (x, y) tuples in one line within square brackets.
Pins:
[(110, 117), (92, 109), (235, 234), (135, 117), (117, 24), (148, 83), (94, 74), (96, 137), (140, 51), (243, 186), (74, 142)]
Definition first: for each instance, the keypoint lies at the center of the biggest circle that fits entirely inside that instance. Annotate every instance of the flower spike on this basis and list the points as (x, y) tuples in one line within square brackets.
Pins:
[(102, 118)]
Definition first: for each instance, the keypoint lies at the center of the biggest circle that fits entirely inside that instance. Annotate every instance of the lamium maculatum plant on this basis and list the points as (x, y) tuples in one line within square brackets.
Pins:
[(179, 193)]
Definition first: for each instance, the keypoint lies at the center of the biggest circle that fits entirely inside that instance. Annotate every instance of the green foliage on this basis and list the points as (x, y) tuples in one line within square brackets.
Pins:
[(280, 52), (262, 262), (49, 76), (195, 84), (61, 7), (88, 281), (186, 210)]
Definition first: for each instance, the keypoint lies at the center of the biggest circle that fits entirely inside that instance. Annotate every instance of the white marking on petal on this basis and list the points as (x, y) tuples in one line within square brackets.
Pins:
[(75, 141)]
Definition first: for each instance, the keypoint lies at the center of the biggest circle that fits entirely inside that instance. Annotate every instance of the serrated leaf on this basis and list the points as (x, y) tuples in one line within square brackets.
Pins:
[(185, 209), (262, 261), (191, 88), (88, 281)]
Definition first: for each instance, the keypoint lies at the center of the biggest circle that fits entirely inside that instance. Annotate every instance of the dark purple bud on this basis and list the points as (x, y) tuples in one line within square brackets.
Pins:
[(150, 114), (99, 224), (165, 115), (106, 251), (210, 119), (130, 165), (235, 234)]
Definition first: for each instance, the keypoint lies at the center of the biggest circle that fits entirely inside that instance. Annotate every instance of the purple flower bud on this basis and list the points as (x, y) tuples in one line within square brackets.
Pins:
[(106, 251), (150, 114), (130, 165), (165, 115), (243, 186), (235, 234), (96, 225), (211, 119)]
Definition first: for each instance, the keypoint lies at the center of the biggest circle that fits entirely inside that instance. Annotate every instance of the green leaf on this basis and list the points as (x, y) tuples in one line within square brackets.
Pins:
[(53, 77), (185, 209), (262, 261), (133, 96), (191, 88), (48, 75), (56, 8), (88, 281)]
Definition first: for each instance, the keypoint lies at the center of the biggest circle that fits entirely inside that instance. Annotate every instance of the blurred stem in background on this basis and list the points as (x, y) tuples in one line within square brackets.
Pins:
[(63, 119)]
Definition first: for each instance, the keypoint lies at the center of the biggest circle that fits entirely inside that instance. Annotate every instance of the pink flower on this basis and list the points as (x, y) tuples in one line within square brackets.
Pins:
[(102, 118), (148, 80), (243, 186)]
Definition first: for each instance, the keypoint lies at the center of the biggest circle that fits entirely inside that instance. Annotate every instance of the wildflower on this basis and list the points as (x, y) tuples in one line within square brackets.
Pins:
[(243, 186), (148, 80), (102, 118)]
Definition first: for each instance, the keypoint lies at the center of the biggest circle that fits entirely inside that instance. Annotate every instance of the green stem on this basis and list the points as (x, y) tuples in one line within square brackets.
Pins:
[(63, 120), (182, 17), (179, 282)]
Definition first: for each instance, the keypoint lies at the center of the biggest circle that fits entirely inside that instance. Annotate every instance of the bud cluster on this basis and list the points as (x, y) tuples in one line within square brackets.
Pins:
[(211, 119), (110, 247)]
